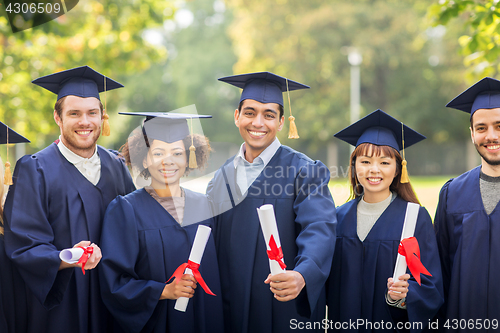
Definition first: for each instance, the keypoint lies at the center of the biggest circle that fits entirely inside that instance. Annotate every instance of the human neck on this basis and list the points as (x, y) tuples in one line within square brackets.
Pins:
[(84, 153), (167, 190), (490, 170), (374, 197)]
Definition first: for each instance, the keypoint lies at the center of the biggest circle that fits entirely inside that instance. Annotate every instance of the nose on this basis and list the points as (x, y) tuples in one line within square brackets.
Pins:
[(492, 134), (258, 121), (84, 119), (374, 168)]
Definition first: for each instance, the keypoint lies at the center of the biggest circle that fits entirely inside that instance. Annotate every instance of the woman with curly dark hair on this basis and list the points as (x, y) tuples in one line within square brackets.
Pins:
[(149, 233)]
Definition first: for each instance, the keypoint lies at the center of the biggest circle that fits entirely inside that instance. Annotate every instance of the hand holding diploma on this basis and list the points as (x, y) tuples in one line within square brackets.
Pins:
[(84, 254), (399, 289), (286, 285), (191, 267)]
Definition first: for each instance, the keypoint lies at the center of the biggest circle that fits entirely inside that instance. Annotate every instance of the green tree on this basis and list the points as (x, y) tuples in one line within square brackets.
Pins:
[(106, 35), (480, 42)]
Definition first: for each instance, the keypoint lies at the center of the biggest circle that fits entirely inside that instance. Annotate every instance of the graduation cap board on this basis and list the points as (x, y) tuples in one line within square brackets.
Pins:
[(381, 129), (8, 136), (266, 87), (168, 127), (82, 82), (484, 94)]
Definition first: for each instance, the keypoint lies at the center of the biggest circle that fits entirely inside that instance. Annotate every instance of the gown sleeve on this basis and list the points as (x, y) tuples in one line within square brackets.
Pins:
[(316, 216), (29, 235), (423, 301), (130, 300)]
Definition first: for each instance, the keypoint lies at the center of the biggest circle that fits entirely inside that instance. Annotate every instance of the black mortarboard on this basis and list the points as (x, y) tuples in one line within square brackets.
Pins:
[(380, 129), (8, 136), (264, 87), (166, 126), (80, 81), (484, 94)]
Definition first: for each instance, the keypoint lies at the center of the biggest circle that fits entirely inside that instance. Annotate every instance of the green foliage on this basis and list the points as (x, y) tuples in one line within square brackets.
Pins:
[(407, 70), (106, 35), (480, 42)]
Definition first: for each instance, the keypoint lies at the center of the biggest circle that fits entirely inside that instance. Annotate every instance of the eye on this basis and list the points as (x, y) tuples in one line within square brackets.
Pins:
[(248, 113), (179, 154), (157, 154), (364, 162), (270, 116)]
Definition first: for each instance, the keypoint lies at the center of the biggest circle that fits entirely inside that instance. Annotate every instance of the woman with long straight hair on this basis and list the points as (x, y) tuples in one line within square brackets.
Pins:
[(361, 289)]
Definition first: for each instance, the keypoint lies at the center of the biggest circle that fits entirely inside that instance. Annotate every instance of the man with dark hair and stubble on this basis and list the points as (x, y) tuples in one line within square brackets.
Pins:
[(467, 221), (267, 172), (58, 201)]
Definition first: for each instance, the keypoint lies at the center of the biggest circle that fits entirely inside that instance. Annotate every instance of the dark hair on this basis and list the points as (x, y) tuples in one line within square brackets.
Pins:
[(280, 108), (404, 190), (59, 106), (134, 153)]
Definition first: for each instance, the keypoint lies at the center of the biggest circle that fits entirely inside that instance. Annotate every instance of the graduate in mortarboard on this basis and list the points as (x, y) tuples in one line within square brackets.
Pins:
[(149, 233), (12, 296), (467, 221), (266, 172), (57, 201), (369, 231)]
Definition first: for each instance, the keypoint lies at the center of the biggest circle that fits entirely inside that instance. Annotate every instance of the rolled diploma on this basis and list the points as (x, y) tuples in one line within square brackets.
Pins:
[(269, 227), (71, 256), (408, 231), (199, 244)]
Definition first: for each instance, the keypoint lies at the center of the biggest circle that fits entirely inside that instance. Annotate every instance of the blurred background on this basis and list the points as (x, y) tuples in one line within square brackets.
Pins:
[(408, 58)]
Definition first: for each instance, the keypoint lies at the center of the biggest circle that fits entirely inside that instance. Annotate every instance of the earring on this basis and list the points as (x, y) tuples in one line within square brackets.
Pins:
[(358, 192)]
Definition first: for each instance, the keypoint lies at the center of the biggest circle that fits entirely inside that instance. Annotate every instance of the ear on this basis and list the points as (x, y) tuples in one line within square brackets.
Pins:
[(57, 119), (282, 122), (472, 135), (145, 162), (237, 117)]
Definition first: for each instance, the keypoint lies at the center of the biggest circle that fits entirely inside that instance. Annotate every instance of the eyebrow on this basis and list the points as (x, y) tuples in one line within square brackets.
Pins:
[(266, 110)]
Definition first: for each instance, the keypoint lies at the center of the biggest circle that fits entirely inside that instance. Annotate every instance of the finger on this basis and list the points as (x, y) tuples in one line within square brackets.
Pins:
[(268, 279)]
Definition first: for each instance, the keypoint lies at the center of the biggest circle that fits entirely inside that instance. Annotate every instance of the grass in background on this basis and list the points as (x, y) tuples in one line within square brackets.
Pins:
[(426, 187)]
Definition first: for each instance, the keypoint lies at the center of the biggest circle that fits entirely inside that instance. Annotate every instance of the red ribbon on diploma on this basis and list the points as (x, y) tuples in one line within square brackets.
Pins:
[(411, 251), (194, 267), (85, 256), (275, 253)]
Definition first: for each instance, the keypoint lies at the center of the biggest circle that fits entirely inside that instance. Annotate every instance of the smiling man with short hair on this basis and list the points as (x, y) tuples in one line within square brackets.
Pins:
[(58, 201), (267, 172)]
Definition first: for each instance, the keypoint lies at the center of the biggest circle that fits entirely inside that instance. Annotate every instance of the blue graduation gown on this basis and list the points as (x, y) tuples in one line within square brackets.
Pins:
[(358, 279), (469, 251), (305, 215), (142, 246), (50, 207), (12, 295)]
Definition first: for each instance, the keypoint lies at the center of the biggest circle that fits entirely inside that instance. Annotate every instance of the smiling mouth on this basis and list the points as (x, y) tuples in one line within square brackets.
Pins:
[(257, 133), (492, 147), (374, 180), (168, 172), (83, 132)]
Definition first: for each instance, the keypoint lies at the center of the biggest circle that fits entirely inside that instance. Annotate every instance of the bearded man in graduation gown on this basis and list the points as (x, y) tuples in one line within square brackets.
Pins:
[(467, 221), (266, 172), (58, 201)]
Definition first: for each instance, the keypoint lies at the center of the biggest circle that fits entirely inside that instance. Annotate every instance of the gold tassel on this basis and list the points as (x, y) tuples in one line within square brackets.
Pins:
[(192, 151), (7, 176), (106, 131), (404, 170), (404, 173), (192, 158), (292, 131)]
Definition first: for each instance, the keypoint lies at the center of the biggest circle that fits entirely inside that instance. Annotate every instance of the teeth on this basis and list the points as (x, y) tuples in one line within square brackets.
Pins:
[(493, 147), (168, 172), (374, 179), (83, 132), (257, 133)]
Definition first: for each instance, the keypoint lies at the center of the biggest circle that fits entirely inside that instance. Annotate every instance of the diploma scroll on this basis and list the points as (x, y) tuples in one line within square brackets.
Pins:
[(199, 244), (272, 238), (71, 256), (408, 230)]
